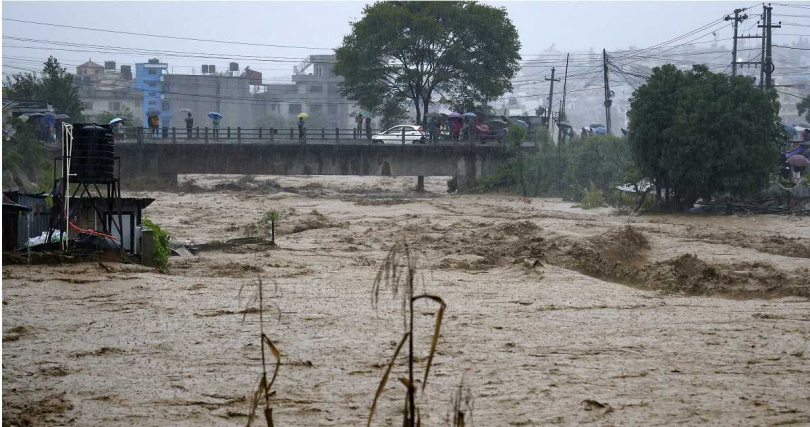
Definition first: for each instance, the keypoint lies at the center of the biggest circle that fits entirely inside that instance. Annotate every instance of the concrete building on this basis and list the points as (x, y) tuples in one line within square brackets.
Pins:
[(227, 95), (314, 91), (107, 89), (149, 78)]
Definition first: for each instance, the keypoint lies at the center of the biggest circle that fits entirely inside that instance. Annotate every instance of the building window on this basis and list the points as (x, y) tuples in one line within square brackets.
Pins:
[(167, 106), (318, 70), (152, 72), (151, 84), (332, 108), (87, 105), (295, 108), (115, 106), (316, 89)]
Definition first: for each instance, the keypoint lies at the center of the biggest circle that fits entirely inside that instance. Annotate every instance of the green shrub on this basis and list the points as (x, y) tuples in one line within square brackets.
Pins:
[(594, 198), (162, 251)]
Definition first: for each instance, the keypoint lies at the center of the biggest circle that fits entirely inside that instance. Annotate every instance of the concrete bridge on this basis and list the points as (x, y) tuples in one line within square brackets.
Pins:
[(468, 163)]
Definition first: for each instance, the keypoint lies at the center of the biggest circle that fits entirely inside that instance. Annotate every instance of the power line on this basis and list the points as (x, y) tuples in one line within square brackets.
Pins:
[(167, 36), (791, 94), (791, 47)]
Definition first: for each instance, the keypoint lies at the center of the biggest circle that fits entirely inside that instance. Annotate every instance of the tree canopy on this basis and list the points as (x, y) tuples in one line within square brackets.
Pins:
[(460, 51), (804, 108), (697, 133), (54, 86)]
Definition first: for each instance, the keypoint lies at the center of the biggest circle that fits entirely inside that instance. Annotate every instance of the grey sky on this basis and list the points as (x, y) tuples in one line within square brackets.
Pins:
[(574, 26)]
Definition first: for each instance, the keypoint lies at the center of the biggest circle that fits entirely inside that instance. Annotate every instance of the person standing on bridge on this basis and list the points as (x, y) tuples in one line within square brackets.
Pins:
[(216, 126), (301, 130), (368, 128), (189, 125)]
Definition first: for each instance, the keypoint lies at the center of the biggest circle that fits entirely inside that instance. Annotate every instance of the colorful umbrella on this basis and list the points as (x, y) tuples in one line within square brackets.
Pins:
[(522, 123), (214, 114), (185, 110), (116, 120), (303, 115), (798, 161), (469, 114), (366, 113), (454, 115)]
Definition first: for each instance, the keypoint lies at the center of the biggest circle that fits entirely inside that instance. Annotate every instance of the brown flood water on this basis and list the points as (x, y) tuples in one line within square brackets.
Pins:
[(555, 315)]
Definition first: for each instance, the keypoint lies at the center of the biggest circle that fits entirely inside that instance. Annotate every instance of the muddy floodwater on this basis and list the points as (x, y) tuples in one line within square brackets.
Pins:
[(555, 315)]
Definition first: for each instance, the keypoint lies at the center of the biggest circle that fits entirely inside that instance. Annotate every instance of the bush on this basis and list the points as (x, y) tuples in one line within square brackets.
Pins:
[(594, 198), (162, 251)]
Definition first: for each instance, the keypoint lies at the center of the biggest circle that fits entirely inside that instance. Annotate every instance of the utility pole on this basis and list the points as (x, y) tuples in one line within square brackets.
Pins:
[(762, 54), (737, 19), (562, 106), (768, 63), (550, 97), (608, 94)]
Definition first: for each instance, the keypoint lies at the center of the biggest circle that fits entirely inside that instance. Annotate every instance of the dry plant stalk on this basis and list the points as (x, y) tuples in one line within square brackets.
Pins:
[(399, 269), (264, 385)]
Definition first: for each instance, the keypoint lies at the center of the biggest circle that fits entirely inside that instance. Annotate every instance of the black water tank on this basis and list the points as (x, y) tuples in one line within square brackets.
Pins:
[(93, 154)]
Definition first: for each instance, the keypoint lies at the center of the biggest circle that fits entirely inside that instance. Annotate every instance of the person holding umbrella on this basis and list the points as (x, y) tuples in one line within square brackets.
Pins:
[(189, 125), (215, 118), (301, 127)]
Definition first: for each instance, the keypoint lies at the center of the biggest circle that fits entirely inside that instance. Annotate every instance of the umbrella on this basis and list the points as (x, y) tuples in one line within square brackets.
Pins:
[(522, 123), (303, 115), (214, 114), (61, 117), (33, 115), (600, 130), (798, 161), (153, 112), (367, 113), (185, 110), (24, 117), (454, 115), (791, 130), (116, 120), (469, 114)]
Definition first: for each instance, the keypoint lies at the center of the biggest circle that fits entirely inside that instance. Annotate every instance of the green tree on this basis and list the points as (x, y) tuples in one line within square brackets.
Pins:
[(27, 165), (54, 86), (105, 116), (411, 50), (392, 112), (804, 108), (697, 134)]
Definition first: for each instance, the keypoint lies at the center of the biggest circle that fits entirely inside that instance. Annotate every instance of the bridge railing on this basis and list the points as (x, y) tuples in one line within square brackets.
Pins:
[(291, 135)]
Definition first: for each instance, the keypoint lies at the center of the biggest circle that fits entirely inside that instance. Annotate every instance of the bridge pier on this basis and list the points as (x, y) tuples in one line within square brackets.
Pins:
[(420, 183)]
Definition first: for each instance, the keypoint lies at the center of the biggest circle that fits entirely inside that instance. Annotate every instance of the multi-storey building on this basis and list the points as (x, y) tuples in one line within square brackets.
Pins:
[(149, 79), (105, 89)]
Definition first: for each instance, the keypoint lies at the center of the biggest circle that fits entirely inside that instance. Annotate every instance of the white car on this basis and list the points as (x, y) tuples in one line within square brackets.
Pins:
[(413, 135)]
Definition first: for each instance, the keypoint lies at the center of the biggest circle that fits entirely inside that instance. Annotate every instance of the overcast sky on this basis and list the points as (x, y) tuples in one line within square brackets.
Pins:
[(570, 26)]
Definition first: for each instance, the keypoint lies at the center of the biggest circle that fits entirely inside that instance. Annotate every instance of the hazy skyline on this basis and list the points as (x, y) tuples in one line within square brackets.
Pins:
[(569, 26)]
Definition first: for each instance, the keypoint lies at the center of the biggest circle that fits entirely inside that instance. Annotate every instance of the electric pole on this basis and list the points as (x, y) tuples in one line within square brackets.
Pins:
[(608, 94), (562, 106), (737, 19), (762, 54), (768, 62), (550, 96)]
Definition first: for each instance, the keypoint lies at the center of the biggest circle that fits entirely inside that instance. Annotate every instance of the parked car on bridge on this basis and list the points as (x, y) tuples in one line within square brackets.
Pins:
[(413, 135)]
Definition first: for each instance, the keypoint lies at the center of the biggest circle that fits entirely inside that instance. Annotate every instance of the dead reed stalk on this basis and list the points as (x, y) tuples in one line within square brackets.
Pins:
[(399, 270), (263, 389)]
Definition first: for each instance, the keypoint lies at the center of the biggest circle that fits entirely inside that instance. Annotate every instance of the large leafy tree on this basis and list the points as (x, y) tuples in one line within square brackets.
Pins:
[(415, 50), (804, 108), (697, 134), (54, 86)]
